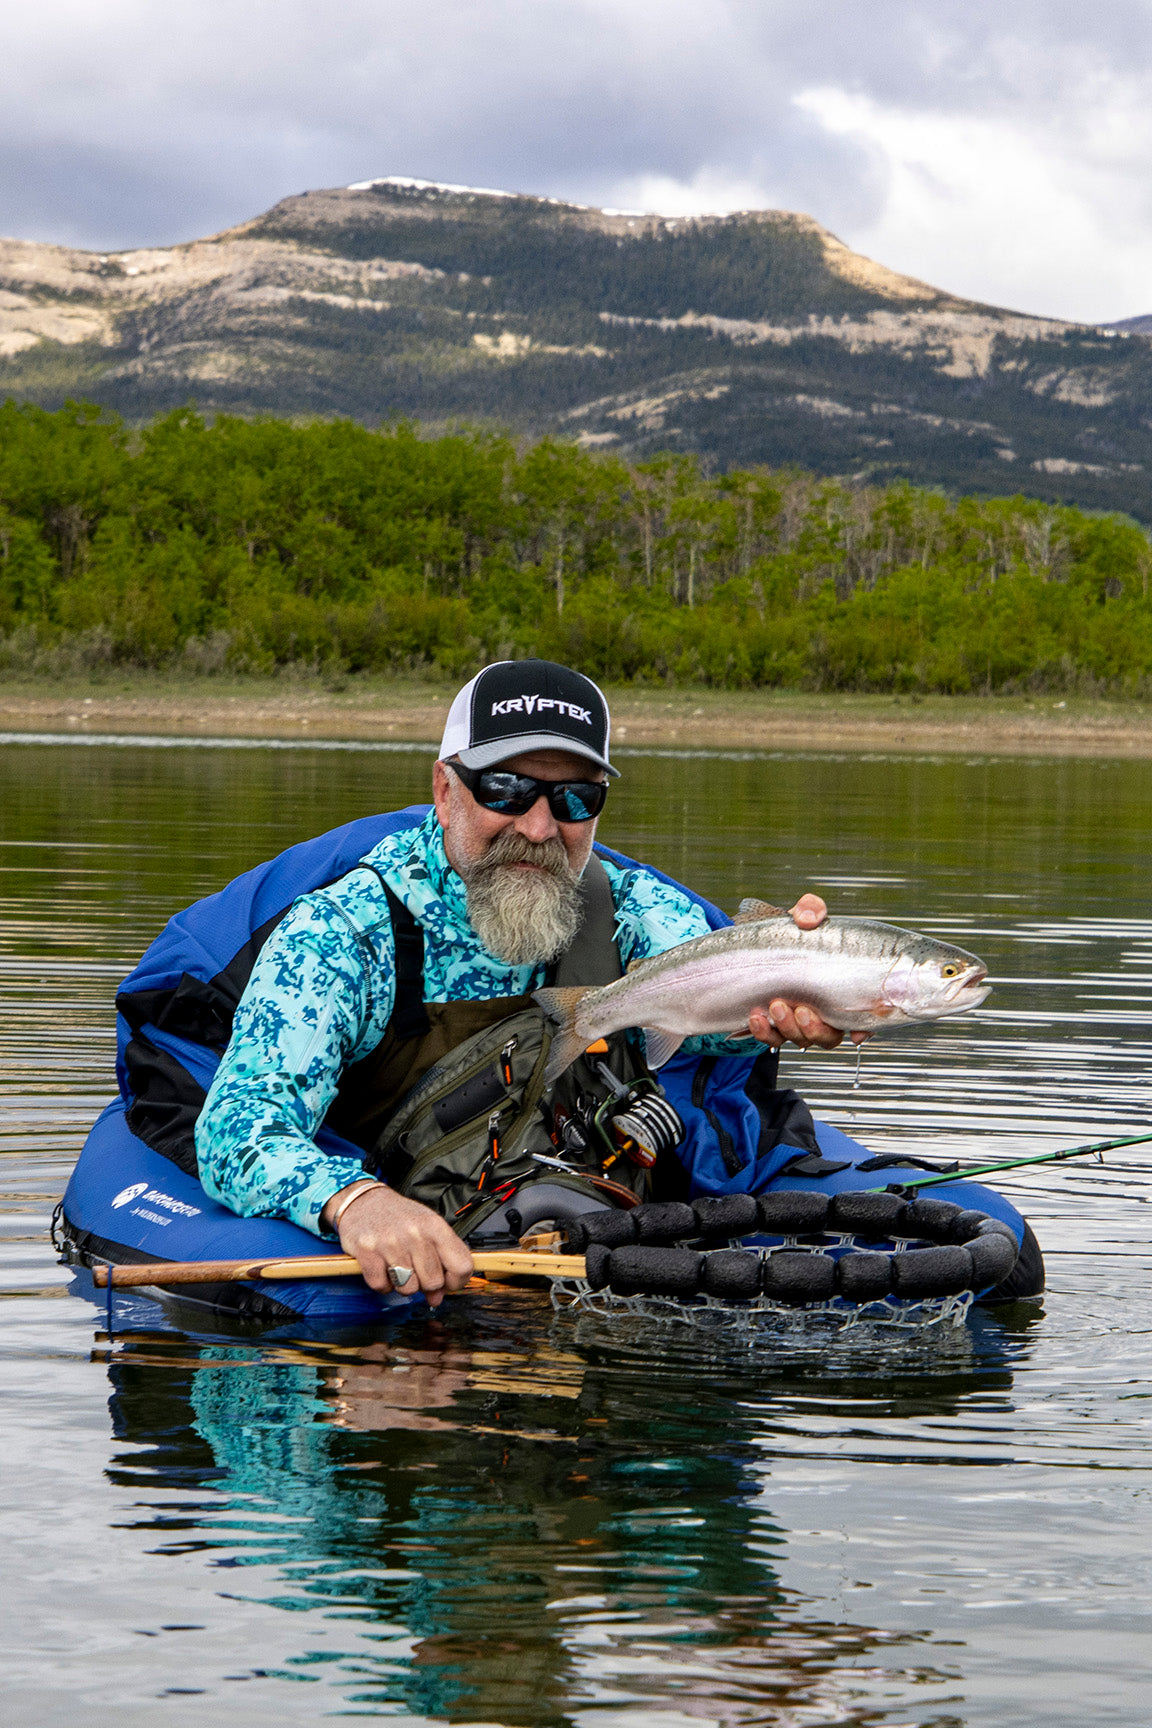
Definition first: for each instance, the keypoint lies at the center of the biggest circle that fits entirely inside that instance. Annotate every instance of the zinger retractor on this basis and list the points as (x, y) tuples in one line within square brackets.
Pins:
[(850, 1254), (636, 1120)]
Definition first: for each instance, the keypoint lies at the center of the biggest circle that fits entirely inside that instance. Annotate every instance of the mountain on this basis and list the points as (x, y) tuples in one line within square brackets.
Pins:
[(753, 338)]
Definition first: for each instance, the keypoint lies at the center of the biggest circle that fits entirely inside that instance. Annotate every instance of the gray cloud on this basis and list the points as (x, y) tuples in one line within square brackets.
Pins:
[(137, 122)]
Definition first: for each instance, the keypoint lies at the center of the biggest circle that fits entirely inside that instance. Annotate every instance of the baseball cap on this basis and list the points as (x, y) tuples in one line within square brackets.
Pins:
[(520, 705)]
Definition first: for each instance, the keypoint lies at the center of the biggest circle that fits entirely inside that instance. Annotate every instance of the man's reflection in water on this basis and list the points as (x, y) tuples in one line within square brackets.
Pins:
[(527, 1530)]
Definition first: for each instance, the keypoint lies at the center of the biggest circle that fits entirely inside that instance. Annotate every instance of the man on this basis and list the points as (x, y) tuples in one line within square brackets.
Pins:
[(492, 879)]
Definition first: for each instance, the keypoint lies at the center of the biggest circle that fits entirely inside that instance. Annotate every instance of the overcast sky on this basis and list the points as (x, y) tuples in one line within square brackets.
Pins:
[(999, 150)]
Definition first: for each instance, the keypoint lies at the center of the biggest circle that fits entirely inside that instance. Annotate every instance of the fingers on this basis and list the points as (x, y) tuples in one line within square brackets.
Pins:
[(762, 1026), (382, 1229), (780, 1023), (809, 911)]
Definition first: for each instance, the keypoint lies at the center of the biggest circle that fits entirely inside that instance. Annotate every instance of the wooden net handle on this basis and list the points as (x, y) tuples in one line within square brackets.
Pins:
[(506, 1263)]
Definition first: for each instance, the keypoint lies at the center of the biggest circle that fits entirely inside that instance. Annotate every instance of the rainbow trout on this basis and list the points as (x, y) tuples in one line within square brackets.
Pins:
[(859, 974)]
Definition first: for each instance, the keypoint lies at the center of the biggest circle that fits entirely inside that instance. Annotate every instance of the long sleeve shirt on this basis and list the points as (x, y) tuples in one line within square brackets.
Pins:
[(322, 992)]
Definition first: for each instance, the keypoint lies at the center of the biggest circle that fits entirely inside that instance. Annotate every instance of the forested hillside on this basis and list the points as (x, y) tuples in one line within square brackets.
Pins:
[(756, 338), (260, 545)]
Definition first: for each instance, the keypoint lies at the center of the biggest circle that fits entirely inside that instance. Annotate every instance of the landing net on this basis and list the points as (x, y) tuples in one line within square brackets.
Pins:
[(759, 1314)]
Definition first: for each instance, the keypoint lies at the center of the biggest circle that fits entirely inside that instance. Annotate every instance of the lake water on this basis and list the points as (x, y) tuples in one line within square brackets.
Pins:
[(510, 1517)]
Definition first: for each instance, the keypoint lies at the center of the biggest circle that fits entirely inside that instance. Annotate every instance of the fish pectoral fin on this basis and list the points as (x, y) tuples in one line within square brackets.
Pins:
[(660, 1046), (752, 911)]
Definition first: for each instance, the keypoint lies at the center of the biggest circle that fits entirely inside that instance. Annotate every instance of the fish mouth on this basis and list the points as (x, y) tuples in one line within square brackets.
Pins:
[(967, 991)]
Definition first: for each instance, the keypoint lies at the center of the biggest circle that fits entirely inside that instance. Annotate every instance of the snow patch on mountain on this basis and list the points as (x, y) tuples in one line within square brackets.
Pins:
[(435, 186)]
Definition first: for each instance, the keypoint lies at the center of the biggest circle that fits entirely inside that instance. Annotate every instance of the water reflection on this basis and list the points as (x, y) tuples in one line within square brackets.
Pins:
[(513, 1529), (509, 1518)]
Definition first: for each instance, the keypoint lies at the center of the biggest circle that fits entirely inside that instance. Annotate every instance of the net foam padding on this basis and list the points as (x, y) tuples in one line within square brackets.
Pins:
[(642, 1271), (609, 1229), (597, 1259), (864, 1277), (873, 1217), (663, 1221), (939, 1251), (932, 1272), (726, 1215), (793, 1212), (934, 1219), (796, 1278), (731, 1273), (969, 1222), (993, 1256)]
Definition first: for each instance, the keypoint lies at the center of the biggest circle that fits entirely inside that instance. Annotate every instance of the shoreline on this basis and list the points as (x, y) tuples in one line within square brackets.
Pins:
[(407, 711)]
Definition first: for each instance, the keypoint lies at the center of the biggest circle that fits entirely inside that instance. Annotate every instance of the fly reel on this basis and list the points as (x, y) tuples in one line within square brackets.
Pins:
[(636, 1121)]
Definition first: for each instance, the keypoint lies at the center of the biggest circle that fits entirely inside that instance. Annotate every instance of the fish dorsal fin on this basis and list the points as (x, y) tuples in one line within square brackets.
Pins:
[(751, 912), (636, 965)]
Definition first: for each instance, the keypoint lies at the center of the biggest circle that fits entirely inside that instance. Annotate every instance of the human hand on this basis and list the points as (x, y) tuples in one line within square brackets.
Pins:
[(808, 912), (786, 1023), (381, 1228)]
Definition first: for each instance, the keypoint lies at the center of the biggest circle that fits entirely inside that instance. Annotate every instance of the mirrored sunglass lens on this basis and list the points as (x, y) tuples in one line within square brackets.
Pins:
[(579, 802), (507, 792)]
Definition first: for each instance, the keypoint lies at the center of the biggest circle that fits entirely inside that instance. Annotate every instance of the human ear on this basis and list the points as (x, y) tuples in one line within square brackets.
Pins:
[(441, 792)]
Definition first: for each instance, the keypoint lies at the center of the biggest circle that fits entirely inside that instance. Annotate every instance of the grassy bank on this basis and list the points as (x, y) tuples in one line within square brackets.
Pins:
[(413, 710)]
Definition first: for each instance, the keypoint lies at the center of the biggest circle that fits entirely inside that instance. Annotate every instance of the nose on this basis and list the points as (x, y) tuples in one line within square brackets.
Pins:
[(538, 823)]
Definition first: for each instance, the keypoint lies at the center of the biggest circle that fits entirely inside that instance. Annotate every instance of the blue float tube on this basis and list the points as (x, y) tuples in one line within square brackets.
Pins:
[(839, 1148), (127, 1204)]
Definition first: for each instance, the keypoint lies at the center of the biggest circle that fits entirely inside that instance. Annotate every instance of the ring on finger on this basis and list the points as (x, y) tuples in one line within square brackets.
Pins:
[(398, 1276)]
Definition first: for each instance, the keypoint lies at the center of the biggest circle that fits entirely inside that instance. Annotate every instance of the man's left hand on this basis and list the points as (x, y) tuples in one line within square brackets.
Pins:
[(780, 1023)]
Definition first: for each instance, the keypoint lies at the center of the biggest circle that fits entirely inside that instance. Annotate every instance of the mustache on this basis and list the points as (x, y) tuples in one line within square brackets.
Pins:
[(512, 848)]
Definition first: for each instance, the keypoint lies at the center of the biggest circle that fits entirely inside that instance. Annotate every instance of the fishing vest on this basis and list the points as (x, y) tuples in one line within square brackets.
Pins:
[(450, 1106), (175, 1010)]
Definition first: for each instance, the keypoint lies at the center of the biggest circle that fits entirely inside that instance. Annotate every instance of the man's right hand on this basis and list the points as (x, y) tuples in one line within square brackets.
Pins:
[(381, 1228)]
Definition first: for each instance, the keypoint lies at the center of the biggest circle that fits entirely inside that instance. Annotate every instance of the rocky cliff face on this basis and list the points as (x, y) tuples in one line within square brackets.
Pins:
[(753, 338)]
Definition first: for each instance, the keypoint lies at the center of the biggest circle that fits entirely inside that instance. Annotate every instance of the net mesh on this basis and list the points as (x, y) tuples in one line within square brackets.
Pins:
[(713, 1314), (760, 1313)]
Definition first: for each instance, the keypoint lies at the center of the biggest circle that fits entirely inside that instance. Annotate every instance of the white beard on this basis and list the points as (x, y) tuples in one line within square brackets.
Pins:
[(523, 917)]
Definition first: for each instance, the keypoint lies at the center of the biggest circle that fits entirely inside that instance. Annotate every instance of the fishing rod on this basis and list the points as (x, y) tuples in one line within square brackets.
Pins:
[(958, 1174)]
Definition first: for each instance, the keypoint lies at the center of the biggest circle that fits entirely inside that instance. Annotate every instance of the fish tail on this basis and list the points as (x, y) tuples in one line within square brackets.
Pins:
[(561, 1006)]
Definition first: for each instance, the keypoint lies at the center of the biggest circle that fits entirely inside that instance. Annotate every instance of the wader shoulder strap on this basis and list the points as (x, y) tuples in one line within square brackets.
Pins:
[(421, 1035), (409, 1019), (593, 957)]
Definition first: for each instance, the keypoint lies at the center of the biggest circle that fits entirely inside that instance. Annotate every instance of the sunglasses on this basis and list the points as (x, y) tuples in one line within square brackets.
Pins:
[(514, 794)]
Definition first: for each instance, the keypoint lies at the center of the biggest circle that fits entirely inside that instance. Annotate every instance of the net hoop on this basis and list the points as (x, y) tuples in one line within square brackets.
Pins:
[(859, 1254)]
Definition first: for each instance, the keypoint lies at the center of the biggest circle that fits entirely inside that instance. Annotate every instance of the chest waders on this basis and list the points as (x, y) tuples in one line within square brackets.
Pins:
[(176, 1013), (451, 1107)]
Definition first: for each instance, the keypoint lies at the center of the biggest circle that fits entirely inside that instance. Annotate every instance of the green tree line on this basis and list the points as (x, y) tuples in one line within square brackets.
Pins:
[(255, 545)]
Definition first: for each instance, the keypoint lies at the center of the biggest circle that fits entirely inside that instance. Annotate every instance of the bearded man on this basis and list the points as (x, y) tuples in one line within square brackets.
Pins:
[(475, 905)]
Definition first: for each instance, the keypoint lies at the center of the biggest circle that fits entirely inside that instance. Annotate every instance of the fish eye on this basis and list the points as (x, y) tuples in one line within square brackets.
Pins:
[(951, 970)]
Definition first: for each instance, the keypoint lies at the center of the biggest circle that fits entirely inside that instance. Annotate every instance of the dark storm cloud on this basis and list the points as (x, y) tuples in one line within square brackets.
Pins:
[(138, 121)]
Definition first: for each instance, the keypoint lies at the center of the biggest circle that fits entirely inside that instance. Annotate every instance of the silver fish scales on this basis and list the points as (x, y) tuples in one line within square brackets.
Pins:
[(859, 974)]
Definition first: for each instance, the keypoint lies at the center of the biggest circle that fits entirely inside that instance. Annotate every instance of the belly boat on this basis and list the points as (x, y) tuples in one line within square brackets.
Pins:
[(128, 1205)]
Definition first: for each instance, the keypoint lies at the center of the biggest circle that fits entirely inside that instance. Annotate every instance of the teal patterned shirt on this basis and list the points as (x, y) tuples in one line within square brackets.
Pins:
[(321, 995)]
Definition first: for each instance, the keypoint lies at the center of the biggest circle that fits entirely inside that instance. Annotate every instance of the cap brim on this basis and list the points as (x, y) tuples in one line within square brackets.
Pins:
[(502, 749)]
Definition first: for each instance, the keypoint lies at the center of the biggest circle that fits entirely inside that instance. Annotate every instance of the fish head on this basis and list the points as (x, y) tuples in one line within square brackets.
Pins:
[(931, 979)]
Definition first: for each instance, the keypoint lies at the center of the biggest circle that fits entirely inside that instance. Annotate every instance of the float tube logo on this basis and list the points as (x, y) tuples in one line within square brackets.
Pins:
[(126, 1194)]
